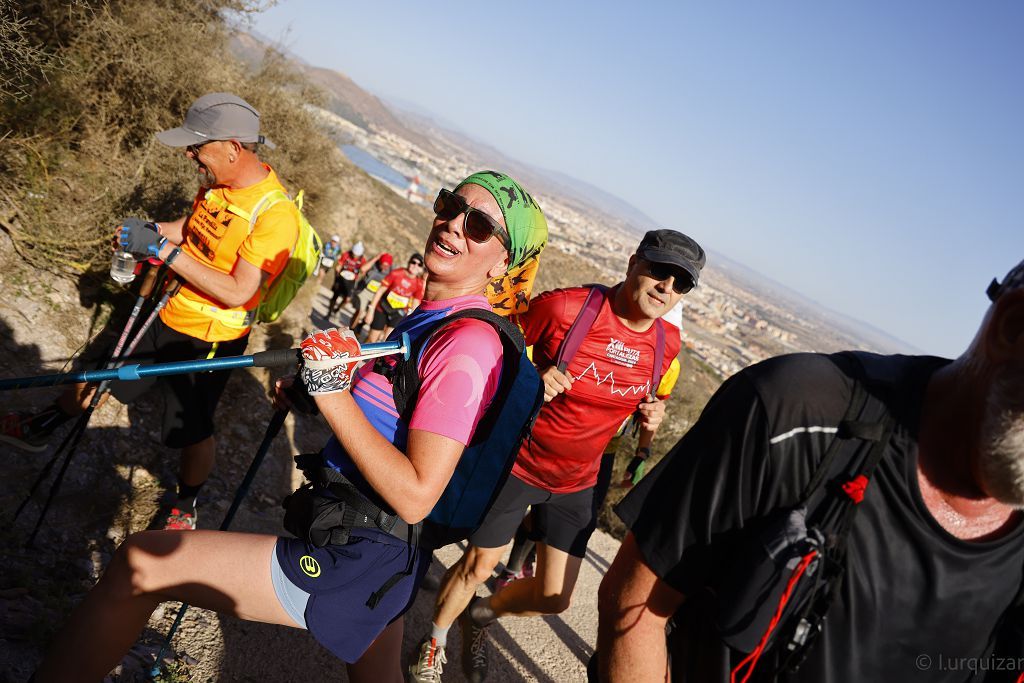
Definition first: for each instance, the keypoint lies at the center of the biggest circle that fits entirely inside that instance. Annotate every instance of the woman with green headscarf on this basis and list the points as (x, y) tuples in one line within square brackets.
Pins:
[(352, 570)]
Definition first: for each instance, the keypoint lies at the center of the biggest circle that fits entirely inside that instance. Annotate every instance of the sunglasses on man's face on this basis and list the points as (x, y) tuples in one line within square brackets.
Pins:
[(682, 282), (194, 149), (478, 226), (416, 263)]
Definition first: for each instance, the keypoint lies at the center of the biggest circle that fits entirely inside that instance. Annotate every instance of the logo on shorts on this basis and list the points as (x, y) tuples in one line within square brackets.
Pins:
[(309, 566)]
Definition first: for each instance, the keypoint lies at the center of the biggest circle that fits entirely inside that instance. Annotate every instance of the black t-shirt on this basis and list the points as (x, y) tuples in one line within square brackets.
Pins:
[(915, 604)]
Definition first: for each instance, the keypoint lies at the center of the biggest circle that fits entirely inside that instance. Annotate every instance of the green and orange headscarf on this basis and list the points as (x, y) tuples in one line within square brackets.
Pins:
[(528, 233)]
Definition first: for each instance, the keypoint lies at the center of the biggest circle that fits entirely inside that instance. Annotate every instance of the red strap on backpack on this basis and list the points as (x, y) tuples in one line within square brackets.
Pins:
[(754, 656)]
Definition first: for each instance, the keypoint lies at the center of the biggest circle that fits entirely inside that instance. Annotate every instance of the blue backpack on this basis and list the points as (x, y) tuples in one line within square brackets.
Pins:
[(488, 458)]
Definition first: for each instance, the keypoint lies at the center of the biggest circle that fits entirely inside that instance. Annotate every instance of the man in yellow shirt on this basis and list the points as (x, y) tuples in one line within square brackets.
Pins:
[(236, 239)]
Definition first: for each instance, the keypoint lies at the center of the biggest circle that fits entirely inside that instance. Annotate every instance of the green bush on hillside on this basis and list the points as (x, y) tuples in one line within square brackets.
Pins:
[(79, 153)]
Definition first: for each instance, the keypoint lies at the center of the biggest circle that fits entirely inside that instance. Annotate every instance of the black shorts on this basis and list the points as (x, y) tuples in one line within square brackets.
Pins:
[(386, 316), (189, 400), (343, 287), (561, 520)]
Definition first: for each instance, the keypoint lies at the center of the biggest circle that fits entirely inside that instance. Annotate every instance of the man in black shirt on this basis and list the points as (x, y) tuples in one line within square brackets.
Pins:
[(931, 580)]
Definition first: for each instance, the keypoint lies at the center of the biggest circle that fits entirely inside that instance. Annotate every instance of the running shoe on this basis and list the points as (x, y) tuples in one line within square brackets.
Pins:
[(14, 431), (505, 578), (182, 518), (527, 570), (430, 664), (475, 652)]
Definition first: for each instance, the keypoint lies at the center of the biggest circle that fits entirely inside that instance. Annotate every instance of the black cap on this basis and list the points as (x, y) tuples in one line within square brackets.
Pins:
[(670, 246), (1013, 279)]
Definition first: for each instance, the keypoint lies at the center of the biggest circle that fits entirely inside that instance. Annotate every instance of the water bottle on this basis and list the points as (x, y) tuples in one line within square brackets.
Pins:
[(122, 267)]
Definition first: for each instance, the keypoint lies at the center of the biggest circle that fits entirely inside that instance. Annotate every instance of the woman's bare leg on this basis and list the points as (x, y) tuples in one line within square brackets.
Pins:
[(222, 571), (382, 661)]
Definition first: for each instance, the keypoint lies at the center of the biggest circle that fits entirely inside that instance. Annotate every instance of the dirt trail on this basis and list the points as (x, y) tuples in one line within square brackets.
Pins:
[(114, 487)]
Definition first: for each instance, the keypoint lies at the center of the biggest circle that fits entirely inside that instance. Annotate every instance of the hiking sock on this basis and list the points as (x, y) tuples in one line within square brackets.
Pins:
[(481, 613), (520, 549), (439, 634), (188, 493), (48, 420)]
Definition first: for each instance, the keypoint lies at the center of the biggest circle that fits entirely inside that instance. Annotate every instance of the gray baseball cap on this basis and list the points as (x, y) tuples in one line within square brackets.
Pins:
[(216, 116)]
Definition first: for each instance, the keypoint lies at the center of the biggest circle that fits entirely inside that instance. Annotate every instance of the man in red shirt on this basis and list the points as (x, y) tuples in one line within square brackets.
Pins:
[(399, 295), (556, 470), (345, 272)]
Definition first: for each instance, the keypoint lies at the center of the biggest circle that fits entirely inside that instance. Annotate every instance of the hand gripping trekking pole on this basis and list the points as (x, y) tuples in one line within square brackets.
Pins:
[(263, 359), (71, 440), (272, 430)]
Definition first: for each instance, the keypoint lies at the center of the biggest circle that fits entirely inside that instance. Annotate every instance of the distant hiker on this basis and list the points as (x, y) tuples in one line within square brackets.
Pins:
[(328, 257), (888, 491), (346, 270), (357, 565), (522, 556), (399, 294), (371, 276), (590, 390), (225, 261)]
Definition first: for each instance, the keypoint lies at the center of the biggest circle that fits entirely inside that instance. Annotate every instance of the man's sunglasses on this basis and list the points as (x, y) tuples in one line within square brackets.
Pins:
[(416, 263), (682, 281), (478, 225), (194, 149)]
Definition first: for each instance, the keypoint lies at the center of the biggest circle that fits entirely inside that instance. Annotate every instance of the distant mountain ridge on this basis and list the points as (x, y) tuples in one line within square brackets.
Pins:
[(876, 339)]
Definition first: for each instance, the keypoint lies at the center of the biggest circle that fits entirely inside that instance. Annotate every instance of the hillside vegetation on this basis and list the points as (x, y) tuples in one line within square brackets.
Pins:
[(78, 114)]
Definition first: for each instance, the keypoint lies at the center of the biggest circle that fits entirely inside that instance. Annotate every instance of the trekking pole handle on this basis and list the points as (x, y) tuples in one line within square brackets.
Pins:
[(284, 357), (149, 281)]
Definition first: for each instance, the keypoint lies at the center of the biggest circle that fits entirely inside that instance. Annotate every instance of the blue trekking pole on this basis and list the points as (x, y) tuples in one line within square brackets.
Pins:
[(273, 428), (263, 359)]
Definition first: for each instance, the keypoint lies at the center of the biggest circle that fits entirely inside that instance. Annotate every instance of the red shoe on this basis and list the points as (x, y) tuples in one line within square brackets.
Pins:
[(181, 520), (14, 432)]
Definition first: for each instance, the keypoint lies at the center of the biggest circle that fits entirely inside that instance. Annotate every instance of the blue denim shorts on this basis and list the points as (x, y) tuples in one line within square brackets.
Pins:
[(337, 580)]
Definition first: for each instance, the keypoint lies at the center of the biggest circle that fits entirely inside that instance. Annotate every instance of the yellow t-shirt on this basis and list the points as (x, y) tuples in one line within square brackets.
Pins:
[(217, 238)]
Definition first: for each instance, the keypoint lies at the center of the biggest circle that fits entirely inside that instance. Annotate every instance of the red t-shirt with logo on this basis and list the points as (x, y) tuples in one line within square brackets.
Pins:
[(351, 262), (611, 374), (402, 288)]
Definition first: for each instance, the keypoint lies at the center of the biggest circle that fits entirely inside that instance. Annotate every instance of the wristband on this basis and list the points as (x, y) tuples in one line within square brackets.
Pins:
[(645, 451), (636, 468), (173, 255)]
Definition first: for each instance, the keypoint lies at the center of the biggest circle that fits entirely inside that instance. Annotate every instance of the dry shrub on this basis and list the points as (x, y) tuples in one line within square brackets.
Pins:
[(80, 154)]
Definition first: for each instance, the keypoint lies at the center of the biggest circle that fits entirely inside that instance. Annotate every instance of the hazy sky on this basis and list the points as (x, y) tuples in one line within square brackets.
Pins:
[(870, 155)]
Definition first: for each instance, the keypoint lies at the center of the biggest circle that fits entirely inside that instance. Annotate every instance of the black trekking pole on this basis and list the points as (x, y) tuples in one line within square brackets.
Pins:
[(72, 438), (272, 430)]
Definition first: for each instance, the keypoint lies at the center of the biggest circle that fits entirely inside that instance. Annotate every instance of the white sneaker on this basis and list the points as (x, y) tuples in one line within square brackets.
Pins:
[(430, 664)]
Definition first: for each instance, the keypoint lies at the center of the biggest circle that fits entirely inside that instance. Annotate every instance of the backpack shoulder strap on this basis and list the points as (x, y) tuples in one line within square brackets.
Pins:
[(866, 419), (580, 326), (406, 377), (659, 355), (265, 202)]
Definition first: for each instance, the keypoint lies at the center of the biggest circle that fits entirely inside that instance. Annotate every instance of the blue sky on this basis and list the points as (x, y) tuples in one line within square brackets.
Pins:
[(869, 155)]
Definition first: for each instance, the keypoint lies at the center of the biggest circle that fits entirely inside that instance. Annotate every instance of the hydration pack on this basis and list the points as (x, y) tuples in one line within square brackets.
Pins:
[(303, 260), (488, 458), (781, 585)]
